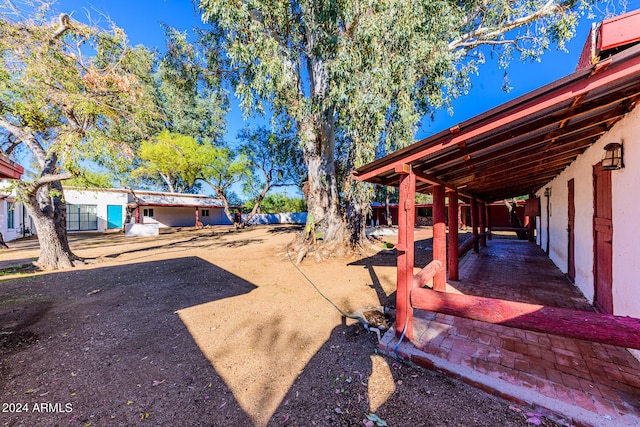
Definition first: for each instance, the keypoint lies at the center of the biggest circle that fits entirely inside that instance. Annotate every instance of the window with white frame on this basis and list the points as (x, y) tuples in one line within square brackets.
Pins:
[(204, 212), (147, 212)]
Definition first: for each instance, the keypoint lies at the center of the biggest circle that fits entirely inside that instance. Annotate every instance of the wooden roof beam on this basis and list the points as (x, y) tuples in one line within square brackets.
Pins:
[(520, 132)]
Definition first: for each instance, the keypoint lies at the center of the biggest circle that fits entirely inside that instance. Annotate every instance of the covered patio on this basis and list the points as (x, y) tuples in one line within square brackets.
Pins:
[(577, 381), (504, 317)]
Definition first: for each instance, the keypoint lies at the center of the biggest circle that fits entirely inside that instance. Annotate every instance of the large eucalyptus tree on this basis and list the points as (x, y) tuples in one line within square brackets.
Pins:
[(365, 72), (69, 93)]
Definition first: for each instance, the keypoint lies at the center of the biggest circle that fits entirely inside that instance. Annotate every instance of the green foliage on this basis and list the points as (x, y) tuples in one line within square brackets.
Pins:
[(278, 203), (366, 72), (90, 179), (385, 64), (275, 159), (176, 158), (191, 95), (83, 94)]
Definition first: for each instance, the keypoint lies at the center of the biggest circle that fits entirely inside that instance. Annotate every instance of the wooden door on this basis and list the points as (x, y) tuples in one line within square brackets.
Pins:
[(603, 239), (571, 270)]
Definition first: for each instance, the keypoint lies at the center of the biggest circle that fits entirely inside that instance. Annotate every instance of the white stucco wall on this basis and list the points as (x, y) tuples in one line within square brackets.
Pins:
[(20, 219), (171, 216), (183, 216), (216, 217), (101, 199), (626, 221)]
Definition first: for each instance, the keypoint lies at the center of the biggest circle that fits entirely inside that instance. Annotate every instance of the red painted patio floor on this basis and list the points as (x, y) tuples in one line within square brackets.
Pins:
[(572, 381)]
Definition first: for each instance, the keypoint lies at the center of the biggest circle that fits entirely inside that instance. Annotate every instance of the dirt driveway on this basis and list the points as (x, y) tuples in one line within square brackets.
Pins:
[(212, 327)]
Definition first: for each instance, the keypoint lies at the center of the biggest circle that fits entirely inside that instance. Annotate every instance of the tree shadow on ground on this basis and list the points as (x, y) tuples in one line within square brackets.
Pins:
[(111, 345), (149, 343), (285, 229)]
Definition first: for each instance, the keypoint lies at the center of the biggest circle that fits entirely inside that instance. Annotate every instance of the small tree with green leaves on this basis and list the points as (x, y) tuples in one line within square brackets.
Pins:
[(180, 158), (275, 160), (176, 158)]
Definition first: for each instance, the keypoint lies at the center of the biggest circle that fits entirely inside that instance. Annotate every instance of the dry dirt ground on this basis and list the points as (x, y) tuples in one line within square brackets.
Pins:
[(212, 327)]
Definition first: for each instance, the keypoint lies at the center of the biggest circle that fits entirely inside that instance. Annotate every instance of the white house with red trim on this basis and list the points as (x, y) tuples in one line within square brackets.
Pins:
[(103, 209)]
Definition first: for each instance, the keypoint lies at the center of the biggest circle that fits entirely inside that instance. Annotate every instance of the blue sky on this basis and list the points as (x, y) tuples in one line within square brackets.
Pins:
[(141, 21)]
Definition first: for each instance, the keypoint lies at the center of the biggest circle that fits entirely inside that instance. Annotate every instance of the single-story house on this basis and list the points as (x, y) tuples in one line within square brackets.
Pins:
[(102, 209)]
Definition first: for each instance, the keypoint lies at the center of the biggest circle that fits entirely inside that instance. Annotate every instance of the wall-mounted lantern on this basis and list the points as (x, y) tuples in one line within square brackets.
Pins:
[(613, 157)]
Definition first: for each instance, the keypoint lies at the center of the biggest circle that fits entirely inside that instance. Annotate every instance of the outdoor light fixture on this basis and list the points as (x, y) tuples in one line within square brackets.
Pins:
[(547, 192), (612, 159)]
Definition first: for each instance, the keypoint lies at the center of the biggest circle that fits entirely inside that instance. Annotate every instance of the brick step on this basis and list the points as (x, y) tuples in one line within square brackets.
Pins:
[(588, 383)]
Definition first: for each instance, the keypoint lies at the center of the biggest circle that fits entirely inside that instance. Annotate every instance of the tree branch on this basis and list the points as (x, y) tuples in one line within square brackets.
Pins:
[(62, 26), (27, 137), (33, 187), (483, 34)]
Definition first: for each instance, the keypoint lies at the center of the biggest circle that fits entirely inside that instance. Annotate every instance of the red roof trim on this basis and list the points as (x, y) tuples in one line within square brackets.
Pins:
[(10, 169)]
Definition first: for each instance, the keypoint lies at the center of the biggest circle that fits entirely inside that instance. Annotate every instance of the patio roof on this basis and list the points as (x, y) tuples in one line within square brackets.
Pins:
[(10, 169), (518, 147)]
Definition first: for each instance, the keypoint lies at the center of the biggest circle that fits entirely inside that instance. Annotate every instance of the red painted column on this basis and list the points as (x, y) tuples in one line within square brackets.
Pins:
[(138, 215), (197, 218), (474, 225), (406, 225), (489, 222), (483, 225), (453, 234), (532, 224), (439, 237)]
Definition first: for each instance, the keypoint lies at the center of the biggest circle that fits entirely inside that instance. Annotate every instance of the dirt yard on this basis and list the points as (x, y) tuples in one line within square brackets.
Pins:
[(213, 327)]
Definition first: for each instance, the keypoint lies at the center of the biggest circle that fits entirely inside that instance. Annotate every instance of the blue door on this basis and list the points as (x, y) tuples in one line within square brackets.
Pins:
[(114, 216)]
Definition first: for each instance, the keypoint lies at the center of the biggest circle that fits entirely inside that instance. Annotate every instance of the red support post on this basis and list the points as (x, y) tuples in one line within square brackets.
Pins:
[(197, 218), (406, 225), (474, 225), (439, 237), (483, 225), (489, 222), (532, 224), (138, 217), (453, 234)]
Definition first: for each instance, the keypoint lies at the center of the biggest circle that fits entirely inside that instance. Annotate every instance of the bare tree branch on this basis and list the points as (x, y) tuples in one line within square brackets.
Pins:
[(483, 34), (27, 137), (62, 26)]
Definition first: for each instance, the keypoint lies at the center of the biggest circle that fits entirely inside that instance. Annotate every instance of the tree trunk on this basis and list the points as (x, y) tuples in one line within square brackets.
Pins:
[(387, 209), (49, 213), (221, 195), (3, 245), (356, 222), (256, 206), (323, 203)]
